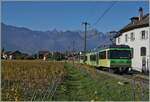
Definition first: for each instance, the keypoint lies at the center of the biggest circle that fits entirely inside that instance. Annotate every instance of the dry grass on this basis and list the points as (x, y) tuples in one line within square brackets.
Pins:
[(39, 81), (29, 80)]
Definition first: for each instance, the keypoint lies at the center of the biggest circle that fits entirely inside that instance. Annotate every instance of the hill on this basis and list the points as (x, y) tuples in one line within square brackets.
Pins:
[(30, 41)]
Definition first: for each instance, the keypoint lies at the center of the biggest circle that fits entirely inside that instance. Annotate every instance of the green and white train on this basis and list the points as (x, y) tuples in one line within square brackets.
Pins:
[(114, 57)]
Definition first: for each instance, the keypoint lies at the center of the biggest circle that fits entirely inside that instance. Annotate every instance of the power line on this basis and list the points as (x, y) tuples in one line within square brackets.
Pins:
[(103, 14), (85, 23), (91, 11)]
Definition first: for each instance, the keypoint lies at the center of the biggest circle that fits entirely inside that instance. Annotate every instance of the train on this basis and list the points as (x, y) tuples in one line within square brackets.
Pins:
[(116, 58)]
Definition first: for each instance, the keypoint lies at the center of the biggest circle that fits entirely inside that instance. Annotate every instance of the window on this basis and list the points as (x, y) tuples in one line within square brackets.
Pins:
[(119, 54), (126, 38), (144, 34), (93, 57), (102, 55), (118, 39), (143, 51), (132, 37), (85, 58), (82, 57)]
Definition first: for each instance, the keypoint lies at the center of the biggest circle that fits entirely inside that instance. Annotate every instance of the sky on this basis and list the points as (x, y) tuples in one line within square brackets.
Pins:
[(63, 16)]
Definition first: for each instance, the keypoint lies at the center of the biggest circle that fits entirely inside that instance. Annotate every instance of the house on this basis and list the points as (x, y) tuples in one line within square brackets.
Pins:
[(43, 55), (6, 55), (136, 34), (17, 55), (13, 55), (58, 56)]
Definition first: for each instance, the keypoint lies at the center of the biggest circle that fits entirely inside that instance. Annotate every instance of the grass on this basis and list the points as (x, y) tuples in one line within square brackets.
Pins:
[(116, 91), (29, 80), (84, 84), (36, 81), (77, 86)]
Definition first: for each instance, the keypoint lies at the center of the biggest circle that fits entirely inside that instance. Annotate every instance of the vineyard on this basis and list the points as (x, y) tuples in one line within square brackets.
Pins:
[(60, 81), (30, 80)]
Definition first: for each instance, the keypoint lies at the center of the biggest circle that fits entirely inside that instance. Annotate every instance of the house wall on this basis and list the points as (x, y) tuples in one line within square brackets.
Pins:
[(136, 45)]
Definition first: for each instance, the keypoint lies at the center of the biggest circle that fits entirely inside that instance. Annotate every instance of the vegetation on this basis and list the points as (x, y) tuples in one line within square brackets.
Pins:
[(57, 56), (29, 80), (84, 84), (37, 80), (77, 86)]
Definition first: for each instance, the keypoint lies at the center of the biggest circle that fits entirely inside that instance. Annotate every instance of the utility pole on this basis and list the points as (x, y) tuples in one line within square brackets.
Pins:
[(73, 45), (73, 51), (85, 24), (111, 35)]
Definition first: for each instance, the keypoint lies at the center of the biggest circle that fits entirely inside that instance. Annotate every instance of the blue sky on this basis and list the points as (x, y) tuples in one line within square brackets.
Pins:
[(69, 15)]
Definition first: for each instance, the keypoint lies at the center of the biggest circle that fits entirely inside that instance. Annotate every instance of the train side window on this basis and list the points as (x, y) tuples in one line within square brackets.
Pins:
[(102, 55), (85, 58), (93, 57), (90, 57), (82, 57)]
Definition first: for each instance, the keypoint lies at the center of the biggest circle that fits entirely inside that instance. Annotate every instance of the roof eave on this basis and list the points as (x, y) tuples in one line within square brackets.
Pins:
[(131, 28)]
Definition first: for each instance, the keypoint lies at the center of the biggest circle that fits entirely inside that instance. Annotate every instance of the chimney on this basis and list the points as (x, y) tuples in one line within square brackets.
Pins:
[(140, 13)]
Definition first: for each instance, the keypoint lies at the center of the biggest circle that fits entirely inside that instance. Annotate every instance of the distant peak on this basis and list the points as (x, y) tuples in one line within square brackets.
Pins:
[(54, 30)]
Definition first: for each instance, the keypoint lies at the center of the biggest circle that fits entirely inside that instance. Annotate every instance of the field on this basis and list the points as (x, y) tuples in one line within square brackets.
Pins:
[(59, 81), (30, 80)]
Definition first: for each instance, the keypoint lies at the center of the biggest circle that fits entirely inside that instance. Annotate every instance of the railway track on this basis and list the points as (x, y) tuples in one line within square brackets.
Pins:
[(137, 77), (133, 77)]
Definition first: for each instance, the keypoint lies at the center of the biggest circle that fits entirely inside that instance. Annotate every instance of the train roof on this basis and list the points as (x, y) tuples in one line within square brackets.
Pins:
[(106, 47), (119, 46), (113, 46)]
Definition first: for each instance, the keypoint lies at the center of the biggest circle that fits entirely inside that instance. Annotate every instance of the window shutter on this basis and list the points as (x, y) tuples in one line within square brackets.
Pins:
[(133, 36), (146, 34), (140, 35)]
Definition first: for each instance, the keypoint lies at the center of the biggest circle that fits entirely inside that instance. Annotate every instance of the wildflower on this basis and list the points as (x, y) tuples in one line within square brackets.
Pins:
[(96, 97), (92, 100), (95, 92)]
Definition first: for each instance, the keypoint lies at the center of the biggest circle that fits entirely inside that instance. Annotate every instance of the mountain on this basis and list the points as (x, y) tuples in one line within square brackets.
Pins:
[(29, 41)]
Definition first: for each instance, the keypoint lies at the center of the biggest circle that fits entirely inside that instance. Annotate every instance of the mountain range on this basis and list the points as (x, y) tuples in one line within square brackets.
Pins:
[(31, 41)]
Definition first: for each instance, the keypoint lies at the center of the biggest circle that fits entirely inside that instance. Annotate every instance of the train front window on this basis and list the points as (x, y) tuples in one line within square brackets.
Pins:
[(119, 54)]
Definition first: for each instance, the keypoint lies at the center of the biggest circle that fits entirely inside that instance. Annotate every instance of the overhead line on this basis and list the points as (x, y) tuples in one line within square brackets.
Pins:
[(90, 13), (104, 13)]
